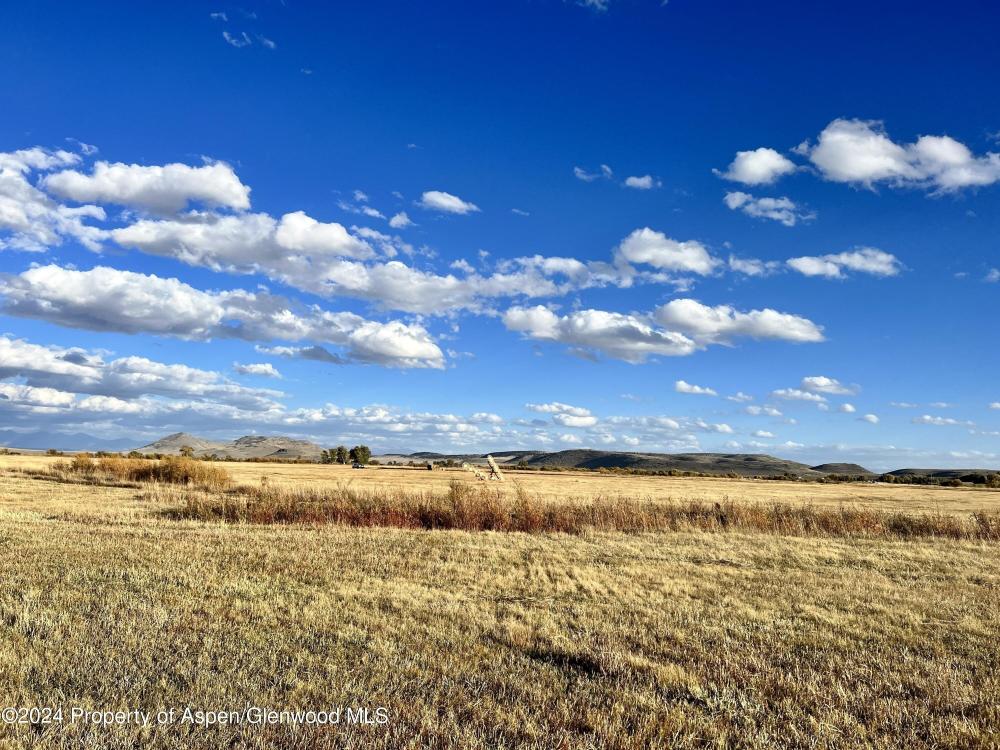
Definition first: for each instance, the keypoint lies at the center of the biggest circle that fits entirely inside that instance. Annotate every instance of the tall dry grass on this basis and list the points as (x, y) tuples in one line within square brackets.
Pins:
[(684, 640), (475, 508), (209, 495), (116, 469)]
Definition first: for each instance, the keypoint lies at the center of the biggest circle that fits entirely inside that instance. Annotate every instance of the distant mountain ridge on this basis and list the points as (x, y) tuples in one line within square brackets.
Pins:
[(248, 446), (173, 443), (62, 441), (741, 464), (279, 447)]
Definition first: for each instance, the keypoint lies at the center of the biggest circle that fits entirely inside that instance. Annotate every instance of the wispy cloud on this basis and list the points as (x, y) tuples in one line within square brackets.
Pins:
[(242, 39), (783, 210)]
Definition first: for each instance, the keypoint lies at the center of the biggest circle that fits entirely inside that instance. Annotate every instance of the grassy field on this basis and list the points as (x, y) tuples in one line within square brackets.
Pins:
[(483, 639), (583, 485)]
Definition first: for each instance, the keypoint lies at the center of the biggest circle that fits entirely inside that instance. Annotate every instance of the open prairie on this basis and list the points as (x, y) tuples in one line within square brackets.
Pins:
[(586, 485), (481, 375), (111, 600)]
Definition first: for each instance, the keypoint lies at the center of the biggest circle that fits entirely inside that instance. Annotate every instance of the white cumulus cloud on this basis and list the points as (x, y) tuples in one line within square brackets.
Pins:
[(761, 166), (867, 260), (400, 221), (796, 394), (260, 369), (939, 421), (74, 370), (163, 189), (824, 384), (107, 299), (682, 386), (29, 219), (860, 151), (437, 200), (299, 232), (677, 328), (247, 243), (722, 323), (656, 249), (565, 415), (617, 335), (753, 266), (645, 182), (765, 411), (782, 210)]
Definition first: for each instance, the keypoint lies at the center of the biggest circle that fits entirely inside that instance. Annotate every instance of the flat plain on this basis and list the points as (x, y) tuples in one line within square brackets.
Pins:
[(496, 639), (587, 485)]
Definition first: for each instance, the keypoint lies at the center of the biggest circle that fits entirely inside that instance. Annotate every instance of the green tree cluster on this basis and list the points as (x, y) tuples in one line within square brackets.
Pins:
[(338, 455), (360, 454)]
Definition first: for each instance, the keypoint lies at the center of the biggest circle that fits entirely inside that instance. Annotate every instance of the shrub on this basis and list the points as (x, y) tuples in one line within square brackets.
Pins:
[(82, 463), (169, 470)]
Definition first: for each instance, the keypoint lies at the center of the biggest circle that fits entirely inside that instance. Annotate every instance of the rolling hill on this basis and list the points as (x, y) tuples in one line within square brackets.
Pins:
[(974, 476), (248, 446), (280, 447), (845, 470), (742, 464)]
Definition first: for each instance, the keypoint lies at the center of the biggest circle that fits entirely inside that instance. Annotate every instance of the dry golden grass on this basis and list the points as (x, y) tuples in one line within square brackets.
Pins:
[(116, 469), (482, 508), (586, 486), (489, 640), (207, 494)]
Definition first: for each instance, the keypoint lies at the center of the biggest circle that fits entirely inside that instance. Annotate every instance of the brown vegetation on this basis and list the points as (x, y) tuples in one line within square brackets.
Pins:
[(585, 487), (115, 469), (210, 496), (474, 508), (488, 640)]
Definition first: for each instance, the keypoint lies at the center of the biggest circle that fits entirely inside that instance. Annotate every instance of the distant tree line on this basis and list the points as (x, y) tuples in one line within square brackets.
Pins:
[(976, 478)]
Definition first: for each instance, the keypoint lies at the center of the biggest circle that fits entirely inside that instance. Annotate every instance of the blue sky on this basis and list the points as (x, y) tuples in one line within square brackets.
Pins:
[(454, 226)]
